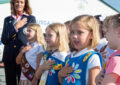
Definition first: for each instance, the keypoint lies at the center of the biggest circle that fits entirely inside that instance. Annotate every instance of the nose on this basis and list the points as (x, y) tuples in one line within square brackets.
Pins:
[(19, 3), (75, 36)]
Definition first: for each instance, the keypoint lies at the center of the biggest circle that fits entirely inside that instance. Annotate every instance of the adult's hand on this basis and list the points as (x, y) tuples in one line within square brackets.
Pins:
[(21, 23)]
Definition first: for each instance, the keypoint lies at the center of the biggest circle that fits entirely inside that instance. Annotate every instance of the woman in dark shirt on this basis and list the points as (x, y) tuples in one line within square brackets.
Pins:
[(13, 37)]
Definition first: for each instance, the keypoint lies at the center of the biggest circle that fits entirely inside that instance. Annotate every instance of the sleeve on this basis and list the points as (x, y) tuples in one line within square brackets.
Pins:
[(94, 61), (8, 33), (113, 66)]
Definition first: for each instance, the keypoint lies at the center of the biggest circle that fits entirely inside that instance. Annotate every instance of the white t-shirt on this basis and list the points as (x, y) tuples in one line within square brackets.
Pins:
[(31, 56), (93, 61)]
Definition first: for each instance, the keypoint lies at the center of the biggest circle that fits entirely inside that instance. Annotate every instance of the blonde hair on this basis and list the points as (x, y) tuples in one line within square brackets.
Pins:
[(91, 24), (27, 7), (113, 20), (61, 32), (38, 29)]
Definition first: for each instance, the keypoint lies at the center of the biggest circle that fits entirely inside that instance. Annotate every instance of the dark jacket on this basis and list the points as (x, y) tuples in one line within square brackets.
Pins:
[(13, 40)]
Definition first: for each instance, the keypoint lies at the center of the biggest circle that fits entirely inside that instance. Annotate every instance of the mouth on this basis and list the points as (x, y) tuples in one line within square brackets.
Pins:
[(76, 42)]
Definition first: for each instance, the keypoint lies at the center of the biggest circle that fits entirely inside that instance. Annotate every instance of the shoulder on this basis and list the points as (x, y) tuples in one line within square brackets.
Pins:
[(94, 61), (60, 55), (64, 54), (32, 16), (115, 59), (41, 47), (8, 17), (113, 65)]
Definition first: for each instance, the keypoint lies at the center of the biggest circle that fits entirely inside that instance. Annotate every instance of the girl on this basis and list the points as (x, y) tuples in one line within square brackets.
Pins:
[(112, 33), (83, 64), (57, 48), (28, 55), (104, 49)]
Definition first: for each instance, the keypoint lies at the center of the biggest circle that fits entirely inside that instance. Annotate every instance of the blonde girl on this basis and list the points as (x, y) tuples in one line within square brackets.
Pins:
[(83, 64), (53, 58), (30, 54)]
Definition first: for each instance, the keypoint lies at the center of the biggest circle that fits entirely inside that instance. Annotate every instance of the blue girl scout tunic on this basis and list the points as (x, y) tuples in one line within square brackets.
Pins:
[(78, 76), (59, 57)]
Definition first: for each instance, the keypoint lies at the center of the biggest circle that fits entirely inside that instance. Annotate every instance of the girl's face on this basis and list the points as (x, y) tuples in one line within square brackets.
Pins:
[(80, 37), (19, 5), (31, 35), (51, 38), (111, 35)]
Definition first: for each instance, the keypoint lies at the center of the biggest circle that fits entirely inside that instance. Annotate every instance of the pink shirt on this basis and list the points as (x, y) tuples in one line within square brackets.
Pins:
[(113, 65)]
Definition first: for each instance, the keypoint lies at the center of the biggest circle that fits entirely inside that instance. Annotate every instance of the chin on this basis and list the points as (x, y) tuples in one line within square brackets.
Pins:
[(112, 47)]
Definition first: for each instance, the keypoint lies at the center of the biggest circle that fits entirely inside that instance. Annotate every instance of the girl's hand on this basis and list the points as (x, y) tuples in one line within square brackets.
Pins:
[(34, 81), (21, 23), (48, 65), (65, 71), (26, 48), (103, 55), (99, 78)]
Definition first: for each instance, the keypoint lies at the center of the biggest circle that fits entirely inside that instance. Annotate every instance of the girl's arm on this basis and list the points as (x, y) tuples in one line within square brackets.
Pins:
[(35, 79), (110, 79), (39, 72), (93, 74), (39, 59), (37, 76), (20, 55)]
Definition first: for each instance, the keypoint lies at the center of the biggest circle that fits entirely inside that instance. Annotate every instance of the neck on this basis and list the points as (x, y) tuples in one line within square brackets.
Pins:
[(53, 49), (19, 13), (31, 42)]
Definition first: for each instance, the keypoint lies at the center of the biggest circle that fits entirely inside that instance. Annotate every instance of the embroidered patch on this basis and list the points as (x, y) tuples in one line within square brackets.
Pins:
[(23, 61), (57, 67), (27, 65), (67, 60), (86, 57), (31, 75), (75, 74), (24, 70), (51, 71), (44, 57)]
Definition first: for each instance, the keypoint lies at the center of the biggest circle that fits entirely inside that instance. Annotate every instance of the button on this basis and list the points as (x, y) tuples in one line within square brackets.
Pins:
[(14, 36), (14, 46)]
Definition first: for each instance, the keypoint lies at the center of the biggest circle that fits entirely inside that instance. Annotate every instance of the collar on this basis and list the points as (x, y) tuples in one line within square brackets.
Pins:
[(14, 16), (76, 54), (33, 44)]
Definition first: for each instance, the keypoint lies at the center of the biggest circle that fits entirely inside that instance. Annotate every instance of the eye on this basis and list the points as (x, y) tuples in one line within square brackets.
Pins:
[(72, 32), (80, 32), (22, 2)]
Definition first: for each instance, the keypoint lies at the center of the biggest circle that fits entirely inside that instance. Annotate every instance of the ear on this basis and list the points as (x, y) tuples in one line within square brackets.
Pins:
[(91, 35)]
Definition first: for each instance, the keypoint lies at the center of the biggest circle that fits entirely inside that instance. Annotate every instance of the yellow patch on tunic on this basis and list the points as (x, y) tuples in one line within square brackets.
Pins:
[(86, 57)]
